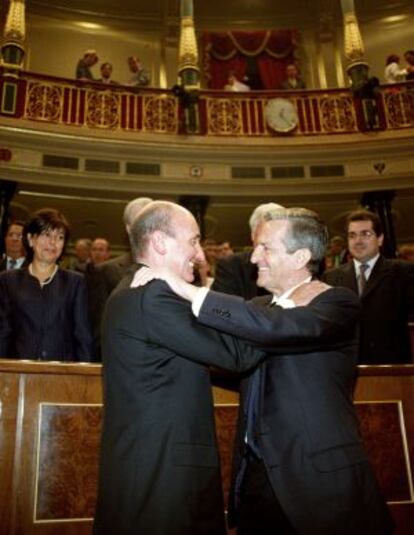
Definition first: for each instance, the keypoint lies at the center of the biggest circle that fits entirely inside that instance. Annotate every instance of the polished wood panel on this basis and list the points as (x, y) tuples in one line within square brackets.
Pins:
[(50, 423)]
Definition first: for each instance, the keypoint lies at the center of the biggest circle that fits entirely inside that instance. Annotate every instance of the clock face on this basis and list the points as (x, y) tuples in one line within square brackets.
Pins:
[(281, 115)]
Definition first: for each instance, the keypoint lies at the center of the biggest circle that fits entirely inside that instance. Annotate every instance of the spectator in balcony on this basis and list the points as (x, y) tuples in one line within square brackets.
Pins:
[(393, 72), (233, 84), (44, 310), (15, 255), (409, 58), (106, 74), (293, 80), (140, 75), (83, 68)]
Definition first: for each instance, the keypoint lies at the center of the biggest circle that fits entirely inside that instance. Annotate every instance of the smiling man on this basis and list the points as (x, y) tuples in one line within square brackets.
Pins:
[(385, 288), (159, 466)]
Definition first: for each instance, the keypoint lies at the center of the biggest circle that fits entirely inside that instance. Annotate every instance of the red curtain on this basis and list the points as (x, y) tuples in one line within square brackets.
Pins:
[(260, 56)]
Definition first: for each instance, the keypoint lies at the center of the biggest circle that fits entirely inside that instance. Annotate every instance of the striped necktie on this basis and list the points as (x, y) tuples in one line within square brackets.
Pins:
[(362, 278)]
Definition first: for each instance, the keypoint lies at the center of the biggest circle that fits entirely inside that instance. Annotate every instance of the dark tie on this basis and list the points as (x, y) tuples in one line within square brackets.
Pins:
[(12, 263), (362, 279), (252, 408)]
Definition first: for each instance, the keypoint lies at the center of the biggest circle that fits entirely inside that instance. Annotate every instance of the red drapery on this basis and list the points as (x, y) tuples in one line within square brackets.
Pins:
[(260, 56)]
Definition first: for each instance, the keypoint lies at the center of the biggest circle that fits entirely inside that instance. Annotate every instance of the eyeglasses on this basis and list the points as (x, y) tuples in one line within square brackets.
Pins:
[(364, 235)]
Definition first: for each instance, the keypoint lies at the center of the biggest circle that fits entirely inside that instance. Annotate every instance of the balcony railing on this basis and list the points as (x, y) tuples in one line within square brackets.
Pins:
[(59, 101)]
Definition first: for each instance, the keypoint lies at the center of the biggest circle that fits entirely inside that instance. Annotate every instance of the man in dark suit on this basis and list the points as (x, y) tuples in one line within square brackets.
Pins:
[(300, 467), (15, 255), (159, 465), (293, 80), (103, 278), (235, 274), (385, 288)]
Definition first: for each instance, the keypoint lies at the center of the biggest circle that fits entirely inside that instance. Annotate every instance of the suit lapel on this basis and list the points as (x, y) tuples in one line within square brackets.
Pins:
[(349, 277), (381, 268)]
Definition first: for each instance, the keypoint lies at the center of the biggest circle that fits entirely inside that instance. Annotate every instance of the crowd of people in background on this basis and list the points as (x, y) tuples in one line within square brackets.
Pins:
[(394, 73), (32, 267), (140, 75)]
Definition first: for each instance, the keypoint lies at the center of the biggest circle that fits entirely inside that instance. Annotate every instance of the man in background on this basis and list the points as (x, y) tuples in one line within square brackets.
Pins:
[(83, 68), (15, 255), (140, 75), (82, 250), (100, 251), (385, 288), (293, 80)]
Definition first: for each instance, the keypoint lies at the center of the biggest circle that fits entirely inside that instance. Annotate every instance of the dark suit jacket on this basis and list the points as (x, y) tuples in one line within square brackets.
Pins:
[(101, 281), (49, 323), (159, 467), (307, 430), (3, 263), (287, 85), (236, 275), (387, 301)]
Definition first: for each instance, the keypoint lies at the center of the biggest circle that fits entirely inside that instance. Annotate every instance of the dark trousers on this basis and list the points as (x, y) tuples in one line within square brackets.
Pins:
[(259, 511)]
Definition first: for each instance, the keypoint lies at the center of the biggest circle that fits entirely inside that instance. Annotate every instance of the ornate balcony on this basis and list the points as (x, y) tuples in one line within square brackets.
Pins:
[(119, 108)]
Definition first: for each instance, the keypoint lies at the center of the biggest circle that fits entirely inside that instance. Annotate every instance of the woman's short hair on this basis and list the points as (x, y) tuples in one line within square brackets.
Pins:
[(41, 221)]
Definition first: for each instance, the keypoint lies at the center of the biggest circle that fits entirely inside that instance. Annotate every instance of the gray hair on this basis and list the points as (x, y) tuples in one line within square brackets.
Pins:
[(155, 216), (133, 208), (306, 231), (259, 211)]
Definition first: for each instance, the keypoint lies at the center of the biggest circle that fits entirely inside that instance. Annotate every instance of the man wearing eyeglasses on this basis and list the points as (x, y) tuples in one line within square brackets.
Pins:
[(15, 255), (385, 288)]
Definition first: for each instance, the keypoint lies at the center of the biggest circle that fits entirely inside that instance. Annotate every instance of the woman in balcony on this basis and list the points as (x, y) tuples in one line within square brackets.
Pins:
[(43, 309), (393, 72)]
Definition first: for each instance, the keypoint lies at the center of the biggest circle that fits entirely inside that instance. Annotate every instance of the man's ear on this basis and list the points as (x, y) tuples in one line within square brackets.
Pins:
[(158, 241), (302, 257)]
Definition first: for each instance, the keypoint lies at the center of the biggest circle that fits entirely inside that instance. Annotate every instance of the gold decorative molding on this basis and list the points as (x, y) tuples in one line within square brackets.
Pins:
[(188, 53), (15, 29), (354, 46)]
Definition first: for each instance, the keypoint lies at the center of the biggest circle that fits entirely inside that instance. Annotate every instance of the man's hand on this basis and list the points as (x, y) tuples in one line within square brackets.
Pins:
[(179, 286), (305, 293)]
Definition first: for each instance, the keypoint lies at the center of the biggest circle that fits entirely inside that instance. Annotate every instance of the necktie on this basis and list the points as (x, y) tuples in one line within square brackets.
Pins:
[(362, 279), (12, 263), (252, 407)]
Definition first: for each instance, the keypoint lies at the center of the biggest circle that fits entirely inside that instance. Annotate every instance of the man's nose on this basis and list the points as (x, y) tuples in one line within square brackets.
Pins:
[(256, 254), (200, 256)]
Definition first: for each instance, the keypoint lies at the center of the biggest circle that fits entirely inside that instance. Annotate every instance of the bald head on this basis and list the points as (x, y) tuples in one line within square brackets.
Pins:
[(165, 234)]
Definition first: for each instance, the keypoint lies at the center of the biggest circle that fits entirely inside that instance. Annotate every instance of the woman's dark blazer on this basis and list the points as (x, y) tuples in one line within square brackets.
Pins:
[(49, 323)]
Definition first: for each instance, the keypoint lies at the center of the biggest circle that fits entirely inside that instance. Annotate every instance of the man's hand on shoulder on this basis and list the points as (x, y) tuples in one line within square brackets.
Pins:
[(305, 293)]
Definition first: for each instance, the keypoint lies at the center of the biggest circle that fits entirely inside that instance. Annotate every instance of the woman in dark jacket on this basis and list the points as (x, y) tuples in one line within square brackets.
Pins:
[(43, 309)]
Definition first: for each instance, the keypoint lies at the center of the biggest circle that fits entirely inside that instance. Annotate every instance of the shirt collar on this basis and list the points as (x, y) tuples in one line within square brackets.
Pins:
[(283, 300)]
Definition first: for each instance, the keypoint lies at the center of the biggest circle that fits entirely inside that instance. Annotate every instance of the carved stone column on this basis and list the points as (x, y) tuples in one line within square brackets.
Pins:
[(380, 203)]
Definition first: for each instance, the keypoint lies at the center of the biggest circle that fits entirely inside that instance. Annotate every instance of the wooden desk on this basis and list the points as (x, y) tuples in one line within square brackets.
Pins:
[(50, 421)]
